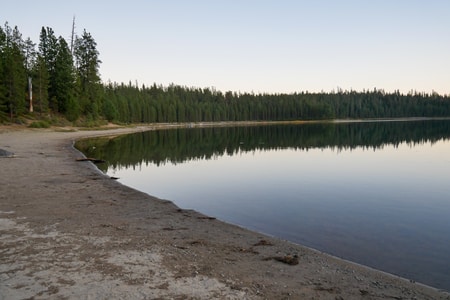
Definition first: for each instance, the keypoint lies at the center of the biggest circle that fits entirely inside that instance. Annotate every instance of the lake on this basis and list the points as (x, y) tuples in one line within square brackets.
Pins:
[(376, 193)]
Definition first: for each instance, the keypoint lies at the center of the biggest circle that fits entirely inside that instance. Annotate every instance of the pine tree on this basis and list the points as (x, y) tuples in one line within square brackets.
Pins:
[(64, 82), (14, 72), (48, 50), (40, 85), (87, 64)]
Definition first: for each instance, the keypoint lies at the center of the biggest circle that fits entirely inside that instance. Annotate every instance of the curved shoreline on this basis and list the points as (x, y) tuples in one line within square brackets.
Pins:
[(67, 230)]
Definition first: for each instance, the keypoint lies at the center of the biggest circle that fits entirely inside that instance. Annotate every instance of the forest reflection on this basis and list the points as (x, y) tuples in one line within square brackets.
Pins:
[(186, 144)]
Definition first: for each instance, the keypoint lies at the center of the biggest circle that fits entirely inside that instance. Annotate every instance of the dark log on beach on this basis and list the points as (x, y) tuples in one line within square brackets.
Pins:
[(94, 160)]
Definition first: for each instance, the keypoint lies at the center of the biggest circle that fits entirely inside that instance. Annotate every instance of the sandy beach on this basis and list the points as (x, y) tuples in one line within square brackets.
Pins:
[(67, 231)]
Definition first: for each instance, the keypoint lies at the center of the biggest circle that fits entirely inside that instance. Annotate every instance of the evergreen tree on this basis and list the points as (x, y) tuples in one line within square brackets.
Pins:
[(48, 49), (40, 85), (64, 82), (14, 72), (87, 64)]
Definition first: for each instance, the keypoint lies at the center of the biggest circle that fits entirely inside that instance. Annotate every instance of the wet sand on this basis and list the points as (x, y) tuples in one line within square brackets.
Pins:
[(68, 232)]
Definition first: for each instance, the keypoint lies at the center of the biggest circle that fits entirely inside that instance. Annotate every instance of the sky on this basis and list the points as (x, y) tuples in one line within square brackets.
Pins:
[(260, 46)]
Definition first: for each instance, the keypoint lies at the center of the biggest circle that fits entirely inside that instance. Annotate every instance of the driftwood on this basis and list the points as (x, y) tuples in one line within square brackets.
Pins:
[(288, 259), (94, 160)]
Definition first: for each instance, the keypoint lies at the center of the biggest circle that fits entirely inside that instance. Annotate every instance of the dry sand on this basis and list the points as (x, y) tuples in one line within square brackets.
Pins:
[(69, 232)]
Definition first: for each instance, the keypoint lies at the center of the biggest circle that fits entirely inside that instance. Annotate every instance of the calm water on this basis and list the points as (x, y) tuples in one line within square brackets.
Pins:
[(374, 193)]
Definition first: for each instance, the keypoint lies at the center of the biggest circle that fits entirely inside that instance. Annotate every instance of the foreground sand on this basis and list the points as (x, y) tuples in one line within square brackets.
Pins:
[(70, 232)]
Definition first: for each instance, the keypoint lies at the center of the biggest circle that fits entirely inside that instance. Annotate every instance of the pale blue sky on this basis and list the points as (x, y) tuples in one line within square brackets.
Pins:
[(271, 46)]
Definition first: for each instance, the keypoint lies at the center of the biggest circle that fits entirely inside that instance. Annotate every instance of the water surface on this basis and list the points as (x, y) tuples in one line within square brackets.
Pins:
[(376, 193)]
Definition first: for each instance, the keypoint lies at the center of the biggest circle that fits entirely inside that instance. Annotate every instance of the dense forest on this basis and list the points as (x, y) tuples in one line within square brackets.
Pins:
[(65, 81), (180, 145)]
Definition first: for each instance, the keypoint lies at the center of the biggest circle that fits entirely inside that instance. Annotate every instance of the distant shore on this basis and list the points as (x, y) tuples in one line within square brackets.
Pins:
[(69, 231)]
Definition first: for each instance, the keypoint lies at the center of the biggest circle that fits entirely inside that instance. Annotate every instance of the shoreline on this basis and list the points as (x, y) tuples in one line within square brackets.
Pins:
[(68, 230)]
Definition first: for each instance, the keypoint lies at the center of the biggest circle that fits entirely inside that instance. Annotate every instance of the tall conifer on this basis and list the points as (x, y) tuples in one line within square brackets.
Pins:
[(64, 82), (87, 64), (14, 73)]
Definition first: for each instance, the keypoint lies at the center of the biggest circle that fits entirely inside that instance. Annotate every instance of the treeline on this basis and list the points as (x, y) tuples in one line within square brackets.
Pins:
[(179, 145), (131, 104), (66, 81)]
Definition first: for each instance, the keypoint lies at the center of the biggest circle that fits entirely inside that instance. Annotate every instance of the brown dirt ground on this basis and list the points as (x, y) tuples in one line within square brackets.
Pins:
[(67, 232)]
